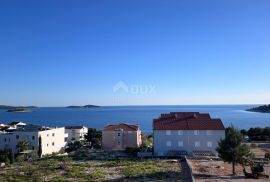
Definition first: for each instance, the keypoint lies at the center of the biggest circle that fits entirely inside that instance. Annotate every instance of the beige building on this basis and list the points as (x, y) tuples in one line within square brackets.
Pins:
[(121, 136)]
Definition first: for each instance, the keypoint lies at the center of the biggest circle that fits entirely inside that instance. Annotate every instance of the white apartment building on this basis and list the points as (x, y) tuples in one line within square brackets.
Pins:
[(76, 133), (52, 139)]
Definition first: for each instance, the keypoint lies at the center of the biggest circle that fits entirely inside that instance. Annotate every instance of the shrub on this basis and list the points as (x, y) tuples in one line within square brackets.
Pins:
[(97, 175), (75, 172), (267, 155)]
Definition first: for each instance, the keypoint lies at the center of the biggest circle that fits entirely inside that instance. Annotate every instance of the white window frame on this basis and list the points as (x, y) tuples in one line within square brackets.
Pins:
[(196, 132), (209, 132), (168, 143), (168, 132), (180, 144), (197, 144), (210, 144), (180, 132)]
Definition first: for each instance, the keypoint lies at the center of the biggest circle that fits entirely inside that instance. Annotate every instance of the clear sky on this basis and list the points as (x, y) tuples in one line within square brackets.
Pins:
[(58, 53)]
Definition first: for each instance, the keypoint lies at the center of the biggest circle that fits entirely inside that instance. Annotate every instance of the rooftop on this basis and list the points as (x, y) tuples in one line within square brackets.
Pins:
[(123, 126), (187, 121)]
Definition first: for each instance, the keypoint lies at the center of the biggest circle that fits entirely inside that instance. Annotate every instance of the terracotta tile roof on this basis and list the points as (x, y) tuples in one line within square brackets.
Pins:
[(187, 121), (124, 126)]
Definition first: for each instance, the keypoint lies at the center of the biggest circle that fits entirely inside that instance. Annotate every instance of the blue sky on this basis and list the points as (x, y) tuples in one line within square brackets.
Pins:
[(57, 53)]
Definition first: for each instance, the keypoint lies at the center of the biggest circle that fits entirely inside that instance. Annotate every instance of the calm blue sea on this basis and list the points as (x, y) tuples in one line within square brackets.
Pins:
[(142, 115)]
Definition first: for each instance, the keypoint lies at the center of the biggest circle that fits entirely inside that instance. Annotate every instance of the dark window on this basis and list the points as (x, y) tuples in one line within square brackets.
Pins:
[(66, 139), (47, 145), (53, 144), (119, 134), (53, 134), (17, 137), (33, 148), (33, 137), (119, 143), (5, 140)]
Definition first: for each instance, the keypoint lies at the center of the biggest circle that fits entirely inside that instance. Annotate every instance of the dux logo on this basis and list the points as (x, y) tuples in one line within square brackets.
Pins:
[(134, 88)]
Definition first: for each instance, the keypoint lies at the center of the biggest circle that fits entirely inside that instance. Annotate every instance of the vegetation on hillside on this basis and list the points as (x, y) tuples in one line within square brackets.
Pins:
[(257, 134), (66, 169), (263, 109)]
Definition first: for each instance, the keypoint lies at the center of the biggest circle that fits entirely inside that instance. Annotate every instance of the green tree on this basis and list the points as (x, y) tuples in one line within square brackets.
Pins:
[(39, 147), (94, 137), (231, 149), (22, 145), (73, 146)]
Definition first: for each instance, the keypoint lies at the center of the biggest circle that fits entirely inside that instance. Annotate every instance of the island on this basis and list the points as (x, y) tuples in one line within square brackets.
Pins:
[(82, 107), (17, 108), (262, 109)]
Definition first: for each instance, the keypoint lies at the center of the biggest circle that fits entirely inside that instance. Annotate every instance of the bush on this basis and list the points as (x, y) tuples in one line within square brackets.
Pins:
[(97, 175), (75, 172), (267, 155)]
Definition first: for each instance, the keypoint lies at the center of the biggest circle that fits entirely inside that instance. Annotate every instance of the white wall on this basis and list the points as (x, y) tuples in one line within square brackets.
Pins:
[(77, 134), (53, 140), (169, 141)]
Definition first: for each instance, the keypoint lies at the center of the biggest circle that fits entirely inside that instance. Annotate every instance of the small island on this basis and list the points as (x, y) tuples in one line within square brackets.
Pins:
[(82, 107), (262, 109), (17, 108)]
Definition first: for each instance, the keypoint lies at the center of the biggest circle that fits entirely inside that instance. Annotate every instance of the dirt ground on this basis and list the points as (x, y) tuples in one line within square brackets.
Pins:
[(218, 171)]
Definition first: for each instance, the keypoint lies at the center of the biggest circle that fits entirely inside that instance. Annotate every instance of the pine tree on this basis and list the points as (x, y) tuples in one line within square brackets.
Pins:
[(231, 148)]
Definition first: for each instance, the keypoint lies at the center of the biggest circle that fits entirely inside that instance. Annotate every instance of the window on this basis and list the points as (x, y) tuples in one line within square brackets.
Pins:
[(53, 134), (197, 144), (168, 132), (119, 134), (180, 132), (66, 139), (17, 137), (47, 135), (196, 132), (180, 143), (53, 144), (208, 132), (168, 143), (119, 143), (5, 140), (33, 137), (47, 145), (33, 148), (209, 144)]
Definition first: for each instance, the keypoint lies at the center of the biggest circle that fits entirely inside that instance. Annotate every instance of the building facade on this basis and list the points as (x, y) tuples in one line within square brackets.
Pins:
[(51, 140), (76, 133), (186, 132), (121, 136)]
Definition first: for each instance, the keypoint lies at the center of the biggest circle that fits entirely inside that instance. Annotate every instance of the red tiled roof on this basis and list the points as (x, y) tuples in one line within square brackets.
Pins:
[(124, 126), (187, 121)]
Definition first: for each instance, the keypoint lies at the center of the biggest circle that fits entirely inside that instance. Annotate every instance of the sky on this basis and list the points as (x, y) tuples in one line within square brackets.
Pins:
[(135, 52)]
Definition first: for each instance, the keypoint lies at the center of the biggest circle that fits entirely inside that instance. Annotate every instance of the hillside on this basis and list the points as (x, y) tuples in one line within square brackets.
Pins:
[(262, 109)]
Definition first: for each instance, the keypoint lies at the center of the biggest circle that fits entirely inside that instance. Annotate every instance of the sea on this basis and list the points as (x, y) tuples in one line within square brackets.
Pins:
[(141, 115)]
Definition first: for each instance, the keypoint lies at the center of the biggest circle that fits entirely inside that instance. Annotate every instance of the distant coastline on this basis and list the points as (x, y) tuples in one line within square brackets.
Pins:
[(82, 107), (17, 108), (261, 109)]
